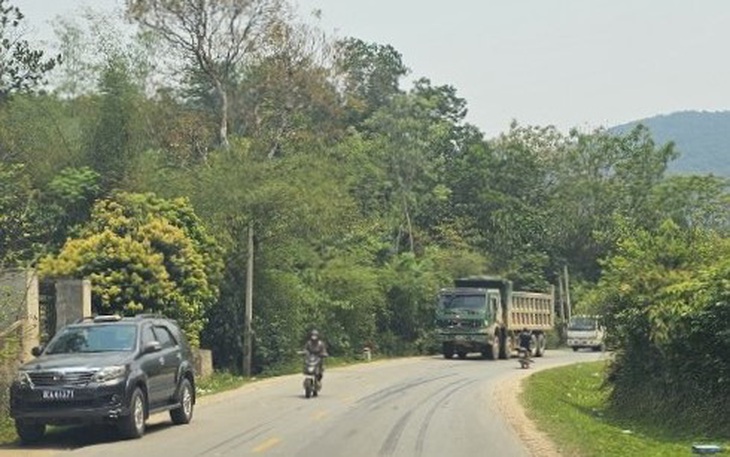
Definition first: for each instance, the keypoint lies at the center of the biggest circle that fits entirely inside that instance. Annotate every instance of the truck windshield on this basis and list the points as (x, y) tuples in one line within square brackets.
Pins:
[(97, 338), (582, 323), (464, 302)]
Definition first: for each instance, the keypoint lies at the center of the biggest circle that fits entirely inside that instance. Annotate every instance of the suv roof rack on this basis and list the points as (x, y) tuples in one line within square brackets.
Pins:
[(149, 316), (107, 318)]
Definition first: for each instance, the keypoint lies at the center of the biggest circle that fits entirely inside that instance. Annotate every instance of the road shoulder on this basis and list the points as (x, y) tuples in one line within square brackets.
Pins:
[(506, 397)]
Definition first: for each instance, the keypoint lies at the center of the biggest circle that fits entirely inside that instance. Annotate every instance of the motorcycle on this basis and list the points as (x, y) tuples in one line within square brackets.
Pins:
[(524, 358), (312, 375)]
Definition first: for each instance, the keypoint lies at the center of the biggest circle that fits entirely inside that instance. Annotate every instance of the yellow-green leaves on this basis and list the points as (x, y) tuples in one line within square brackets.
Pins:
[(144, 254)]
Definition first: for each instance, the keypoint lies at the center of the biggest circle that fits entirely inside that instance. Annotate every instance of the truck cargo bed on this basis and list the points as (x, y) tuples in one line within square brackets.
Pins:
[(532, 310)]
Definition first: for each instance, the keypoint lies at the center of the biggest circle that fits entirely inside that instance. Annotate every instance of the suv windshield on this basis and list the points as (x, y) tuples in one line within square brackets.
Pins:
[(463, 301), (582, 323), (96, 338)]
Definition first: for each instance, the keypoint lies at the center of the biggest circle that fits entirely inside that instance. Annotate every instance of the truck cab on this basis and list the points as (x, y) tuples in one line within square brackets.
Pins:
[(586, 332), (468, 320)]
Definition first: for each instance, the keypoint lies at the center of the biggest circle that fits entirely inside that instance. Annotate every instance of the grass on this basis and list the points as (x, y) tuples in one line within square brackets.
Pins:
[(7, 430), (569, 404)]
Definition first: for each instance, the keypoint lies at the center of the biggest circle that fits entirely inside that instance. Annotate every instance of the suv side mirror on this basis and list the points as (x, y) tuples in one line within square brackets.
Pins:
[(36, 351), (152, 346)]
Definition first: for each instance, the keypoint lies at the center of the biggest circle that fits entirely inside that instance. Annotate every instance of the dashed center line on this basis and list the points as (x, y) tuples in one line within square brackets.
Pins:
[(319, 415), (266, 445)]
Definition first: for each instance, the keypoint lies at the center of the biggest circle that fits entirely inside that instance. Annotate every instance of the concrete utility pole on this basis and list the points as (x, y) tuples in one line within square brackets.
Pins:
[(567, 293), (248, 317)]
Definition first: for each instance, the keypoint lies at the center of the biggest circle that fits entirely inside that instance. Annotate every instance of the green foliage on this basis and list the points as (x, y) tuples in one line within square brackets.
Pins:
[(371, 74), (18, 233), (114, 138), (21, 67), (144, 254), (664, 295)]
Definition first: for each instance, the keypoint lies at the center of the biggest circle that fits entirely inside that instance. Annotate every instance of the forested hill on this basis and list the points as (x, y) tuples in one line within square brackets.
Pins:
[(702, 138)]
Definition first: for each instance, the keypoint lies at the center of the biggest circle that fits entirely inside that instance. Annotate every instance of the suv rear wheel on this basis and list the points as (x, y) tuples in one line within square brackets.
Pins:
[(29, 432), (132, 425), (184, 413)]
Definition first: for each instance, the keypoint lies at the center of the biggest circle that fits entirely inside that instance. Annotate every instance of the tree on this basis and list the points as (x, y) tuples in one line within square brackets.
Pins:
[(17, 210), (144, 254), (21, 67), (370, 75), (665, 299), (115, 137), (215, 37)]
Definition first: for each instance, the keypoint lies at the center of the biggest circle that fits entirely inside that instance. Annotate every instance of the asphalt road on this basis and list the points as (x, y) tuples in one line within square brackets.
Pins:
[(416, 407)]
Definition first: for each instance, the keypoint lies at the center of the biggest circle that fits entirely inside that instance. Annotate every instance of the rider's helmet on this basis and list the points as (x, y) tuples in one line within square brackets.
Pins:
[(314, 335), (525, 330)]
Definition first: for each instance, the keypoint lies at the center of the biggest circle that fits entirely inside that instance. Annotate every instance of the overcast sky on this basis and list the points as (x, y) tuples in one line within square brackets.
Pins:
[(570, 63)]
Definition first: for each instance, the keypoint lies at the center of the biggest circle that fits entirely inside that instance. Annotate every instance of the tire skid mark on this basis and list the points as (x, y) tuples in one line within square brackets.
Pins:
[(231, 443), (378, 397), (391, 441), (432, 411)]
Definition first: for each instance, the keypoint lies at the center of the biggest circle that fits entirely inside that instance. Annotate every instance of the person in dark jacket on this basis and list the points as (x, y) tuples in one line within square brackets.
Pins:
[(316, 346), (525, 339)]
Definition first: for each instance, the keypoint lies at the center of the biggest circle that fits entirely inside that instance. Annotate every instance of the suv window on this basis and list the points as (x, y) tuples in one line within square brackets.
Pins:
[(94, 338), (164, 337)]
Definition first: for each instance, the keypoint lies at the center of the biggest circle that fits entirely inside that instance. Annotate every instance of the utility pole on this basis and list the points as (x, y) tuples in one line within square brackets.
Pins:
[(248, 317), (567, 293)]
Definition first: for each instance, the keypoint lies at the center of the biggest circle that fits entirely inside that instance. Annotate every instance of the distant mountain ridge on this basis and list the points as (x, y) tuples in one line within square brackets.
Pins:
[(701, 137)]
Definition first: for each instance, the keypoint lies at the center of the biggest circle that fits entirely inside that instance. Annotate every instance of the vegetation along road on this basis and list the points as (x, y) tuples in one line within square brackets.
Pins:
[(408, 407)]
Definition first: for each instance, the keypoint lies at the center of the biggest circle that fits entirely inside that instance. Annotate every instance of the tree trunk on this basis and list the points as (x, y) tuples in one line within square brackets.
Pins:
[(223, 127)]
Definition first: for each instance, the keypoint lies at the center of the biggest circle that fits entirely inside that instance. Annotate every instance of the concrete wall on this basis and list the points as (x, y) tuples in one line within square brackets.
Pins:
[(203, 360), (19, 297), (73, 301)]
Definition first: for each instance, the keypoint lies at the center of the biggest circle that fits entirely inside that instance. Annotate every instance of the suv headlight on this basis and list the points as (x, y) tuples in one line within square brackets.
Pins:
[(109, 374), (23, 379)]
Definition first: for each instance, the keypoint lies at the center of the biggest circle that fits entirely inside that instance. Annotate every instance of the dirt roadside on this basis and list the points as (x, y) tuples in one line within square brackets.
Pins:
[(506, 397)]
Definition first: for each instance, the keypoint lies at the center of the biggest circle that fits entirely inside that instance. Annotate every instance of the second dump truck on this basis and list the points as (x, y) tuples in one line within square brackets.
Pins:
[(484, 314)]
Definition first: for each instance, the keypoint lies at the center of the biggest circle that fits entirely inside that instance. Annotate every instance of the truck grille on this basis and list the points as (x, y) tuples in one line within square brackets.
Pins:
[(58, 378), (457, 323)]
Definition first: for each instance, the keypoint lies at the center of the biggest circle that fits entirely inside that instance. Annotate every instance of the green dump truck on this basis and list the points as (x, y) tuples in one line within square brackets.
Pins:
[(483, 314)]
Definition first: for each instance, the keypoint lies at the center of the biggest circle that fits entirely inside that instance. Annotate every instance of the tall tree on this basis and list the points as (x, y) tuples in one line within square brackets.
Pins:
[(114, 141), (213, 36), (370, 75)]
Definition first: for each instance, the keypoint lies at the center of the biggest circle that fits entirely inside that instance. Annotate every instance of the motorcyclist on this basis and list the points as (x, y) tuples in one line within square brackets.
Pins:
[(316, 346), (526, 341)]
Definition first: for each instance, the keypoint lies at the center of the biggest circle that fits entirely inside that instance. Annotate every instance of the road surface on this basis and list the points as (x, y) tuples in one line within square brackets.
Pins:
[(418, 407)]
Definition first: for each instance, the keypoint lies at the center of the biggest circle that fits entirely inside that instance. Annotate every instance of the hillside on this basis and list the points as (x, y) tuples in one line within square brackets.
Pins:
[(701, 137)]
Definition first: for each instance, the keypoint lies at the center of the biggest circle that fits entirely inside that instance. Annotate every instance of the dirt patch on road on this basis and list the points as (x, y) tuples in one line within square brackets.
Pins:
[(26, 453), (506, 397)]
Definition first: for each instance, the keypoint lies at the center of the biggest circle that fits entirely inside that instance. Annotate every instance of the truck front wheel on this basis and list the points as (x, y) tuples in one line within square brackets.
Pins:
[(448, 351), (492, 352)]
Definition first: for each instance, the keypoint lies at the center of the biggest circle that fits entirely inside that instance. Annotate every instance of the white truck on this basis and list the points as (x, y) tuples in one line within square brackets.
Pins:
[(586, 332)]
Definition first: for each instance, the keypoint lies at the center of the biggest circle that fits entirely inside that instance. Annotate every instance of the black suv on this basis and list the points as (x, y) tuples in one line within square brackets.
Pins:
[(106, 369)]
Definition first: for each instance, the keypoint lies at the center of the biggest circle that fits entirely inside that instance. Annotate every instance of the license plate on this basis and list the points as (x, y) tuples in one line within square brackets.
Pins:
[(57, 394), (461, 337)]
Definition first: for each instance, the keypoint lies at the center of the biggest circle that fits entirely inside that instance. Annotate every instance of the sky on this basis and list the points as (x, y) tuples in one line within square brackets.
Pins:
[(567, 63)]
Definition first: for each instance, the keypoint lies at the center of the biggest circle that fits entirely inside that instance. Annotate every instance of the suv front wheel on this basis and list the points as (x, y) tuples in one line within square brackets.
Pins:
[(29, 432), (184, 413), (132, 425)]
